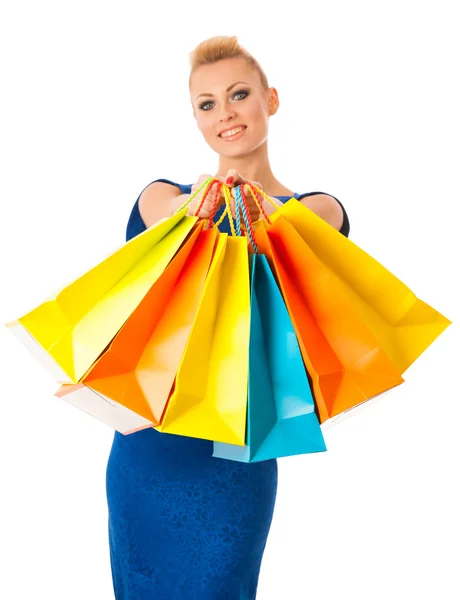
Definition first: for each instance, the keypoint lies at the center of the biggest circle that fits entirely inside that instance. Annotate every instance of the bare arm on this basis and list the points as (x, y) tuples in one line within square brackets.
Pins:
[(323, 205), (160, 200), (326, 207)]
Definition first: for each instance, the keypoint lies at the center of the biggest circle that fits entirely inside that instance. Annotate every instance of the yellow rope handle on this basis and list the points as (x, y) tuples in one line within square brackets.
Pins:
[(228, 210), (222, 217), (262, 193), (195, 193)]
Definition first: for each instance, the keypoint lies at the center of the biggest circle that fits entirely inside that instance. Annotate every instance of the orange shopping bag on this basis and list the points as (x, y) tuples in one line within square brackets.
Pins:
[(139, 367), (345, 361)]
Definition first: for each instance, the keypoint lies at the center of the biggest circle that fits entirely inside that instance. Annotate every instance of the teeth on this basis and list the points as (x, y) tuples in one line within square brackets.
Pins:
[(232, 132)]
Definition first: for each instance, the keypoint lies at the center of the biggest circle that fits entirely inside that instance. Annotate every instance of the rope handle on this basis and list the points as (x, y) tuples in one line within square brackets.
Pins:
[(206, 184), (241, 207), (242, 225)]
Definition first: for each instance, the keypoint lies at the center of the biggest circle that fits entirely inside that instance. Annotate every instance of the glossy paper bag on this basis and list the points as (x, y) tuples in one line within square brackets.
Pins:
[(139, 367), (70, 329), (209, 400), (345, 361), (281, 417), (403, 324)]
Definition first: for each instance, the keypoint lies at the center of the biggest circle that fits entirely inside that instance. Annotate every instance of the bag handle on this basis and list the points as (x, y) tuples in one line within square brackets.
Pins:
[(242, 210), (207, 185), (242, 225)]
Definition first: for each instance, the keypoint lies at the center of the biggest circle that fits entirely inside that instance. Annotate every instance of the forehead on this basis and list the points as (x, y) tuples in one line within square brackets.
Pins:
[(220, 75)]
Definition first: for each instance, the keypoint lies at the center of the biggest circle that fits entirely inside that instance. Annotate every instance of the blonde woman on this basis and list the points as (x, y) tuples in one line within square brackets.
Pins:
[(182, 524)]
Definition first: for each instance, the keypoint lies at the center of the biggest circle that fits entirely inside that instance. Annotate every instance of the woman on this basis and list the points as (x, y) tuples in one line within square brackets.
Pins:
[(182, 524)]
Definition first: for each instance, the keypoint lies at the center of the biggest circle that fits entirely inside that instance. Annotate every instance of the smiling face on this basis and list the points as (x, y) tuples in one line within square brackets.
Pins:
[(228, 98)]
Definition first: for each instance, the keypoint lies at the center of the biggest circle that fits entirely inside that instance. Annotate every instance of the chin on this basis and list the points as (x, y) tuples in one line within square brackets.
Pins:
[(237, 155), (236, 150)]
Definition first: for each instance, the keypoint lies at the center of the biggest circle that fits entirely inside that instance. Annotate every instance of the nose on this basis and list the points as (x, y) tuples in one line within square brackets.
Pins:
[(227, 113)]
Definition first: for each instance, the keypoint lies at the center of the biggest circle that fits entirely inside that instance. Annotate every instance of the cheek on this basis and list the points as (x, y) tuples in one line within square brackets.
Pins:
[(257, 115), (204, 125)]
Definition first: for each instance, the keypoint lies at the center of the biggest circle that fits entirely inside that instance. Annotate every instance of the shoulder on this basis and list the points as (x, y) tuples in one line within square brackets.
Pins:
[(154, 197), (329, 208), (155, 200)]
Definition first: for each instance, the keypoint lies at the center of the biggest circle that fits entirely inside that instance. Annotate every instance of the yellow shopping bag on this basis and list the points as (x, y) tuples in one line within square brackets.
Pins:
[(403, 324), (209, 400), (72, 328)]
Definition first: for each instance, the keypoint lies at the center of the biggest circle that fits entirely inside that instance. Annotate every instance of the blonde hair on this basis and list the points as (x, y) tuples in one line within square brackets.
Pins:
[(221, 47)]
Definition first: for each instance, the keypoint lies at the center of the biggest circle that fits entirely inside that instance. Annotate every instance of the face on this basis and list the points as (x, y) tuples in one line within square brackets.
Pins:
[(228, 95)]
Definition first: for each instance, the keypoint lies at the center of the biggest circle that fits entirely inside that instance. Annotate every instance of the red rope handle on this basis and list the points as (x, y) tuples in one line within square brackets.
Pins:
[(247, 218), (246, 212), (215, 201), (203, 197)]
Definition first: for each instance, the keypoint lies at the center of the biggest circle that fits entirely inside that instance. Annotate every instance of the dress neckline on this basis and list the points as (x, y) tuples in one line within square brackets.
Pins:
[(294, 195)]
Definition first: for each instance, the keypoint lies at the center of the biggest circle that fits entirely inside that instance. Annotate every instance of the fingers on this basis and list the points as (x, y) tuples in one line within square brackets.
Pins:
[(233, 178)]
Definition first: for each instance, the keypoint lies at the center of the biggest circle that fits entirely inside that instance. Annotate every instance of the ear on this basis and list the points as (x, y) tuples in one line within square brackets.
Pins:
[(273, 101)]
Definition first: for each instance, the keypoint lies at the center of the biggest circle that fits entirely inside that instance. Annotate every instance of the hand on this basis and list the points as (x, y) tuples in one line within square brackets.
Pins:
[(233, 179), (205, 210)]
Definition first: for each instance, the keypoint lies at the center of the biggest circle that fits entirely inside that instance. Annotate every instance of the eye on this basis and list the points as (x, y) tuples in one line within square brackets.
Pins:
[(244, 93), (240, 95), (202, 106)]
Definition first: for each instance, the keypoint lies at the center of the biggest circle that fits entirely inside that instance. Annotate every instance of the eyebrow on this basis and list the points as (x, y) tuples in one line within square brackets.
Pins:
[(227, 90)]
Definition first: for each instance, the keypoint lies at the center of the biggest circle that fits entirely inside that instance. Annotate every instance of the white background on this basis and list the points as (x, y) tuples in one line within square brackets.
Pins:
[(94, 107)]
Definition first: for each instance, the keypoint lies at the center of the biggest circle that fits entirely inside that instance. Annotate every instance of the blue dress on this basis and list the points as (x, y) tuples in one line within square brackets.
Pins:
[(182, 524)]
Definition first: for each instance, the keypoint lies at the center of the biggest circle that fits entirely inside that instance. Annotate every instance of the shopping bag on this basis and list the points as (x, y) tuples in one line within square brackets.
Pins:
[(209, 397), (281, 419), (113, 414), (69, 330), (139, 367), (343, 358), (403, 324)]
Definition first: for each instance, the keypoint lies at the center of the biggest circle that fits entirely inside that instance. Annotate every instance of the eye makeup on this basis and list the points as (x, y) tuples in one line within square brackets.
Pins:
[(237, 93)]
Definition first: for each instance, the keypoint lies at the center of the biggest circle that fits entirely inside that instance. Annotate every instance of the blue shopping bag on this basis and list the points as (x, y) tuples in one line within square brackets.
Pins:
[(281, 418)]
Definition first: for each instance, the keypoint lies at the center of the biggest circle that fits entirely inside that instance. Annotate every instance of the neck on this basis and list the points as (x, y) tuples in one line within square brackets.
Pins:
[(255, 167)]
